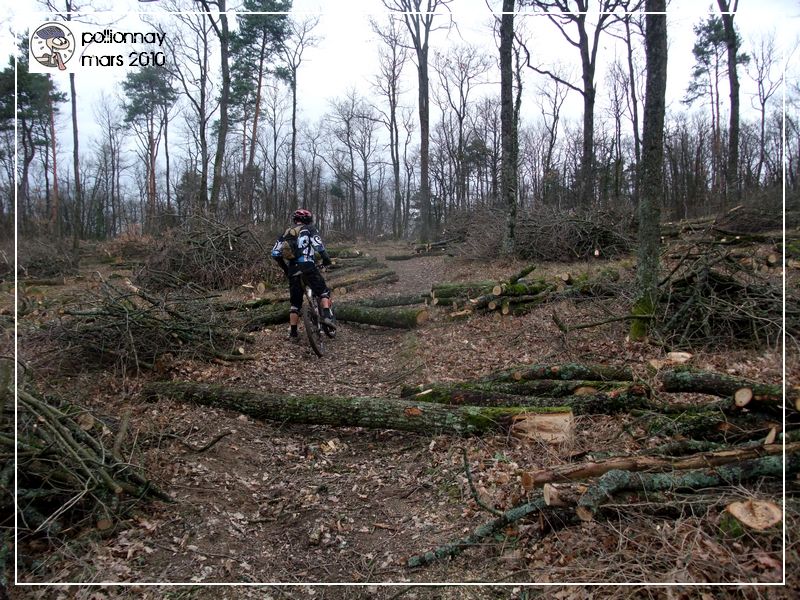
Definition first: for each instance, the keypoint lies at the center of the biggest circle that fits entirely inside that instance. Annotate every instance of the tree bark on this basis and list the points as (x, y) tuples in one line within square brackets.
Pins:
[(652, 180), (725, 386), (582, 404), (732, 45), (508, 169), (395, 317), (654, 464), (373, 413), (705, 476), (566, 371)]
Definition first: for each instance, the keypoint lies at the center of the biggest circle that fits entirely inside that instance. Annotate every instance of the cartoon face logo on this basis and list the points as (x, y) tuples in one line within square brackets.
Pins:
[(52, 45)]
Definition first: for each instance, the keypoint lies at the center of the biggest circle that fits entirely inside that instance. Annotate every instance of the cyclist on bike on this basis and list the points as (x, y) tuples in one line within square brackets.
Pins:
[(294, 253)]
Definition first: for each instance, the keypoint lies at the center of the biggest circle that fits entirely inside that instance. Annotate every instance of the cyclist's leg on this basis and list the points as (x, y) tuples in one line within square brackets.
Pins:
[(317, 284), (295, 299)]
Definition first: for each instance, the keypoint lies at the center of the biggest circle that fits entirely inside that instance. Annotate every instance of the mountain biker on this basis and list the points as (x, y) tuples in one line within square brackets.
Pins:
[(302, 264)]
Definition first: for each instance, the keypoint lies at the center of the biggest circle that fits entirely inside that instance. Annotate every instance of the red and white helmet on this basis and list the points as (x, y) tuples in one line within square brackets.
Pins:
[(301, 215)]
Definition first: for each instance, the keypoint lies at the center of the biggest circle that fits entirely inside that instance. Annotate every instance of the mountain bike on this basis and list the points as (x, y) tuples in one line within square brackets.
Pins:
[(316, 330)]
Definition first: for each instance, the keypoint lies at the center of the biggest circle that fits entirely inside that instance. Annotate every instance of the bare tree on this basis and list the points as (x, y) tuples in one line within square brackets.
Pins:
[(459, 70), (300, 38), (220, 27), (191, 55), (418, 16), (566, 13), (392, 56), (761, 70)]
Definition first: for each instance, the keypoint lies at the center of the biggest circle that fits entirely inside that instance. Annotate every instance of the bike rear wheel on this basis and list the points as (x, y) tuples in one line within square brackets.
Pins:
[(312, 325)]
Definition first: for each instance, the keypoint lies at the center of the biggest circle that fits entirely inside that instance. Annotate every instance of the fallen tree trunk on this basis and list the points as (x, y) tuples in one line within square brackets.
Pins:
[(389, 301), (264, 316), (454, 290), (595, 404), (616, 481), (395, 317), (373, 413), (564, 371), (685, 379), (658, 464)]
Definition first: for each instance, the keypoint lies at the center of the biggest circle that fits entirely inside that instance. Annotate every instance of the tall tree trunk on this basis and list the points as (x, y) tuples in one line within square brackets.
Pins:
[(652, 163), (508, 177), (293, 191), (221, 29), (166, 159), (55, 216), (424, 146), (78, 208), (732, 176)]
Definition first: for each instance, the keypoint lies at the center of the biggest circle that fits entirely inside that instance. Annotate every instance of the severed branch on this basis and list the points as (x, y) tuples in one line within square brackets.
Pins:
[(658, 464)]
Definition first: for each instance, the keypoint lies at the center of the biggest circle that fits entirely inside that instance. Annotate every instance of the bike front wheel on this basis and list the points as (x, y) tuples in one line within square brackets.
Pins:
[(312, 325)]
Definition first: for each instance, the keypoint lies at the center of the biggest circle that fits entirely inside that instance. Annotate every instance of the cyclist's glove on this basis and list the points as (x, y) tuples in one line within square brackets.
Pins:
[(326, 260)]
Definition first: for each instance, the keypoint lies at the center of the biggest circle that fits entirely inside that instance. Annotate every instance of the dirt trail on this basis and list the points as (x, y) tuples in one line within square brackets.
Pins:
[(272, 502)]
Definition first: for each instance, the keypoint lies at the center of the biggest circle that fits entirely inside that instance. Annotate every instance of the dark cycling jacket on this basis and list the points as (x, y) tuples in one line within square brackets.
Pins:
[(308, 241)]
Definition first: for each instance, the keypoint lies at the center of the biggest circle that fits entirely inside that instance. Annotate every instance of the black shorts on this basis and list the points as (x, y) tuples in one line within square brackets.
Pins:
[(314, 280)]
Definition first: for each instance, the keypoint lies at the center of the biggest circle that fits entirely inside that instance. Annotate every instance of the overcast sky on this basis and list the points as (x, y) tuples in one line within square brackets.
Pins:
[(346, 55)]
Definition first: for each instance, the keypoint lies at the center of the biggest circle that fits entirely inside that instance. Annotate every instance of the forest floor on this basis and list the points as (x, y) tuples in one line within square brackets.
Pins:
[(282, 503)]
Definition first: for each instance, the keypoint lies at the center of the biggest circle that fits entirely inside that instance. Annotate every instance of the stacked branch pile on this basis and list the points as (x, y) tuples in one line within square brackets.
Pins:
[(715, 295), (207, 255), (130, 328), (520, 293), (71, 471)]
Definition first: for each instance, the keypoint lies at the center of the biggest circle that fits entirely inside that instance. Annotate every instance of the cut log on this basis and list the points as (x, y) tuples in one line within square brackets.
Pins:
[(535, 393), (742, 397), (390, 301), (551, 428), (465, 289), (563, 372), (654, 464), (616, 481), (402, 256), (687, 379), (373, 413), (558, 494), (395, 317)]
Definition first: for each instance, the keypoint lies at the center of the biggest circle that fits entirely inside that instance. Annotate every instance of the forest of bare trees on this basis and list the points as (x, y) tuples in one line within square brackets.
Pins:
[(221, 132)]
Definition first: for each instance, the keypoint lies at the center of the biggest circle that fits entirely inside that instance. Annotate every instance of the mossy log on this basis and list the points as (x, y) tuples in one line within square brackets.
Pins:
[(373, 413), (706, 422), (460, 290), (595, 404), (615, 481), (566, 371), (585, 397), (389, 301), (656, 464), (264, 316), (398, 317), (687, 379)]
